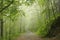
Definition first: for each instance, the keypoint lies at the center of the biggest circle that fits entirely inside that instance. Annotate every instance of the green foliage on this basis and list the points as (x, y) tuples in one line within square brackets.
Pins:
[(50, 14), (10, 13), (15, 20), (27, 2)]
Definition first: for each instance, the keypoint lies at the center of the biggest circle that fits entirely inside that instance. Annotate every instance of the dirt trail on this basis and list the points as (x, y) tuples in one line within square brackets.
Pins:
[(28, 36), (32, 36)]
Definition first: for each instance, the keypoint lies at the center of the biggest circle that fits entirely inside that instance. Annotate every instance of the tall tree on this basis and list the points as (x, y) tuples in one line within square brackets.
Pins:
[(2, 8)]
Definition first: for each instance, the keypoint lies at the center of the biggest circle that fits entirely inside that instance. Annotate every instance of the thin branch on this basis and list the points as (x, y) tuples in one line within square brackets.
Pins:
[(6, 7)]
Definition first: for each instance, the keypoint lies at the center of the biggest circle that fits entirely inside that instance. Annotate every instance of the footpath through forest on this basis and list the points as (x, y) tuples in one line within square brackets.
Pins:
[(32, 36)]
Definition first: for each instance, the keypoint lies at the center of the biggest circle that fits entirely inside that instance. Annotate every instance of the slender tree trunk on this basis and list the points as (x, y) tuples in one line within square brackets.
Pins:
[(53, 10), (1, 27), (1, 20)]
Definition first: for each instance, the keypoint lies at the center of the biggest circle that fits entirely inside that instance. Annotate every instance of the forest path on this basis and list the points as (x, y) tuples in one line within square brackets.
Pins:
[(29, 36), (32, 36)]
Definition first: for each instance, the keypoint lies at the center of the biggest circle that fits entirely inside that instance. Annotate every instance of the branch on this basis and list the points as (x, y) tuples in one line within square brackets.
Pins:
[(6, 7)]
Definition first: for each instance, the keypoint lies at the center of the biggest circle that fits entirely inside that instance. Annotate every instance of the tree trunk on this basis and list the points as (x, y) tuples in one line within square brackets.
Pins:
[(1, 20), (1, 27)]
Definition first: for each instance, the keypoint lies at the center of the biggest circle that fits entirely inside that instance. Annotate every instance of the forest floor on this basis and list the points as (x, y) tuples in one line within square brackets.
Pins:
[(32, 36)]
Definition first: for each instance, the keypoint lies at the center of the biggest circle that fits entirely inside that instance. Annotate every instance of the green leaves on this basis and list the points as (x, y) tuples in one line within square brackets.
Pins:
[(42, 2), (39, 20), (48, 15), (22, 13), (27, 2), (30, 2), (4, 5)]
